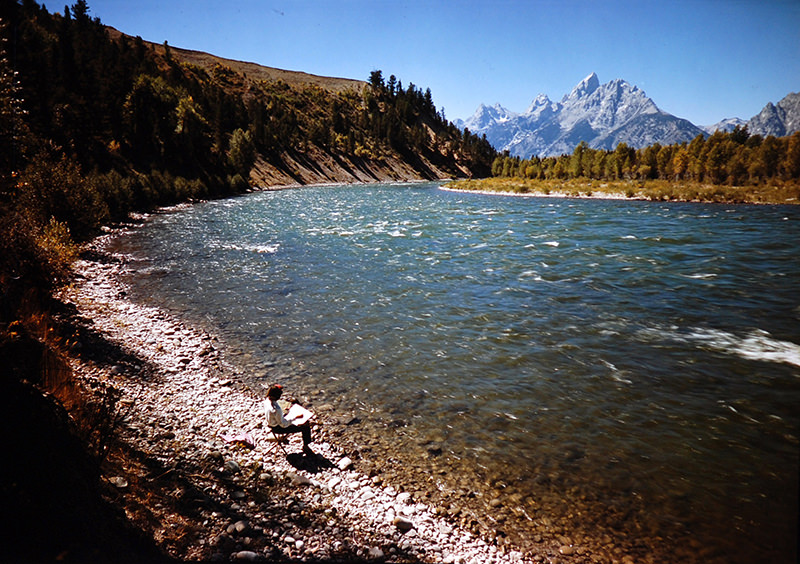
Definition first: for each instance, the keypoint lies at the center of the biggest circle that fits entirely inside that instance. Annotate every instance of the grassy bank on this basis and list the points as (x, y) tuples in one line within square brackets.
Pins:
[(655, 190)]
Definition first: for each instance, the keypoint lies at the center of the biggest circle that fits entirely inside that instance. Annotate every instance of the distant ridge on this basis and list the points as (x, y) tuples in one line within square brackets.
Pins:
[(602, 115), (726, 125), (254, 71), (257, 72), (778, 119)]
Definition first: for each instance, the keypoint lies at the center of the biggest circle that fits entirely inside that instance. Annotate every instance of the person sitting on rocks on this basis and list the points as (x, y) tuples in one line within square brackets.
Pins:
[(279, 425)]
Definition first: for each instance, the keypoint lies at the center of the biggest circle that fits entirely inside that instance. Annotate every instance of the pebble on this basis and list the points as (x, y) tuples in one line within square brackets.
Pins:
[(200, 401), (119, 482), (402, 524), (299, 480)]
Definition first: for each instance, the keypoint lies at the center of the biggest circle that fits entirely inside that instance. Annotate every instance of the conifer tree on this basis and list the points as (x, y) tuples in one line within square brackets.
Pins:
[(11, 113)]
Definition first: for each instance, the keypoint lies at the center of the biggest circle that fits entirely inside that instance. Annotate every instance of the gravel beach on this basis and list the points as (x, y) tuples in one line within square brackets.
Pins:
[(205, 497)]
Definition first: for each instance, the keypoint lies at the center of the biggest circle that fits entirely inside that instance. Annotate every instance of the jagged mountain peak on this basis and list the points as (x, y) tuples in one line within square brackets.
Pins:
[(540, 106), (619, 89), (605, 106), (584, 88), (485, 115), (600, 114), (538, 102), (620, 83), (778, 119)]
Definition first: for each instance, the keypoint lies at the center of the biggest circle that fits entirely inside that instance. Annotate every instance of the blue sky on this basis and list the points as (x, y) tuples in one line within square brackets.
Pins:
[(703, 60)]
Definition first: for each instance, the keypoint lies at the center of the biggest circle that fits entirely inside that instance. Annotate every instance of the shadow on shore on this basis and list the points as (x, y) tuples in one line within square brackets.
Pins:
[(63, 500)]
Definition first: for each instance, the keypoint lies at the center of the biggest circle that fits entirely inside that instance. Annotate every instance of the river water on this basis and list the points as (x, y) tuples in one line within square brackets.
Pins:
[(623, 376)]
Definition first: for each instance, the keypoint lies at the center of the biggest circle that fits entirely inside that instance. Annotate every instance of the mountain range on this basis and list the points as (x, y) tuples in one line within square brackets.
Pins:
[(604, 115), (780, 119)]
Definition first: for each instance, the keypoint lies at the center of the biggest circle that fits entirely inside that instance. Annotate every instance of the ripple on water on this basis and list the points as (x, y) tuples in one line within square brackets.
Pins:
[(622, 371)]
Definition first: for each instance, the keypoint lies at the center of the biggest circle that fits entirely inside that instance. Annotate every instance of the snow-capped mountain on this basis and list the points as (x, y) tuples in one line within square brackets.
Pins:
[(486, 115), (603, 115), (778, 119), (726, 125)]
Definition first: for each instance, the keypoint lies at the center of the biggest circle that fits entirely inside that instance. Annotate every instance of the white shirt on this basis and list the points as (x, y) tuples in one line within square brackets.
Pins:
[(274, 414)]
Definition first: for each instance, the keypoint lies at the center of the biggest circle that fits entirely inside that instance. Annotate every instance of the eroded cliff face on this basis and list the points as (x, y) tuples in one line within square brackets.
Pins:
[(318, 167)]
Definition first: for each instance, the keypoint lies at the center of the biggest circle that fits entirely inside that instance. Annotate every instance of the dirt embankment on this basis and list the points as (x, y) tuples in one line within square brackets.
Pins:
[(318, 167)]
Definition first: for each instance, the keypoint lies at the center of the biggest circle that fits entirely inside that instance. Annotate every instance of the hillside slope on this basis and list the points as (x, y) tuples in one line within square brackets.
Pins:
[(253, 71), (319, 162)]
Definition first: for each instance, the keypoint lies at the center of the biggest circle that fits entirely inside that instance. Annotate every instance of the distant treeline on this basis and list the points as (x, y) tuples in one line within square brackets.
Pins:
[(735, 158), (94, 125)]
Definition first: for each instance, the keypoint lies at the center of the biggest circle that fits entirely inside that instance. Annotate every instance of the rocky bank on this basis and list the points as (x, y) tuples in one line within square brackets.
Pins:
[(179, 478)]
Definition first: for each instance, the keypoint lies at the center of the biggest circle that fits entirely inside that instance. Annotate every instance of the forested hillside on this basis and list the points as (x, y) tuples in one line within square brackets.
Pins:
[(96, 124)]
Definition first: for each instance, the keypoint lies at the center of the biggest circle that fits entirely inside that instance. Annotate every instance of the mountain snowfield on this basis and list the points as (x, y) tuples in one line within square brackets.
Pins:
[(604, 115)]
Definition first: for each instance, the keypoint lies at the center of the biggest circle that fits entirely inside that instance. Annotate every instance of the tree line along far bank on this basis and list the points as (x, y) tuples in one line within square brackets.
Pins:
[(735, 158)]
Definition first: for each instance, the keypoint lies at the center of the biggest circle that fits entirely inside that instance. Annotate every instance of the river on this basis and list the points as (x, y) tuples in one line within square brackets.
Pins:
[(618, 375)]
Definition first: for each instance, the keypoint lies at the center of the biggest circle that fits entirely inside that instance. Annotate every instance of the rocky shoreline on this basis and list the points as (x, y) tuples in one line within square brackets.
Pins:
[(178, 476)]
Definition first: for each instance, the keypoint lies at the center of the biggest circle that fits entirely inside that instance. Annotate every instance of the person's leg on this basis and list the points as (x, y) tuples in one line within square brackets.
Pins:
[(279, 430), (304, 429)]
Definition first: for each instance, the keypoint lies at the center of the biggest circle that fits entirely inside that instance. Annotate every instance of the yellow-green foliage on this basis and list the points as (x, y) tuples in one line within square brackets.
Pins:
[(57, 245), (659, 190), (733, 159)]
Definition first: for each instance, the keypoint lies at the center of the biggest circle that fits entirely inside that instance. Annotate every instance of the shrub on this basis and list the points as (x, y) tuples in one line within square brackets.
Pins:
[(116, 191), (57, 248), (238, 184), (34, 259), (53, 187), (241, 152)]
